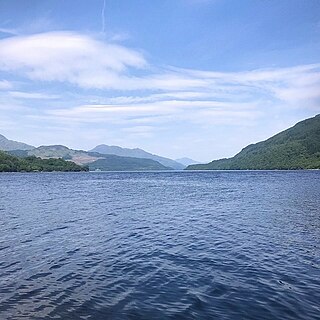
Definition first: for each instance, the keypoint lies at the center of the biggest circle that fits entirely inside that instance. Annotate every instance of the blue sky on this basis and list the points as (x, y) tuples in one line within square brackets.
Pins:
[(196, 78)]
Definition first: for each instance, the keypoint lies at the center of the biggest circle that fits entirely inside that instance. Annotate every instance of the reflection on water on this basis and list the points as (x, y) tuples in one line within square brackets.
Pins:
[(166, 245)]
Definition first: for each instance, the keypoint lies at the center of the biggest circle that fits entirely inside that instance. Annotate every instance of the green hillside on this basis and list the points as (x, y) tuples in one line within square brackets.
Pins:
[(116, 163), (10, 163), (295, 148)]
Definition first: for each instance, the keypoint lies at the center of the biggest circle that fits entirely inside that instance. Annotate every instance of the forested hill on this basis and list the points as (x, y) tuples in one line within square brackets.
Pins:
[(295, 148), (9, 163)]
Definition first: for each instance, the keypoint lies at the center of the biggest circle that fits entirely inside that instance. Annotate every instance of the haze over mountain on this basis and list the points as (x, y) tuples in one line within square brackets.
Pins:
[(137, 153), (295, 148), (187, 161), (7, 145)]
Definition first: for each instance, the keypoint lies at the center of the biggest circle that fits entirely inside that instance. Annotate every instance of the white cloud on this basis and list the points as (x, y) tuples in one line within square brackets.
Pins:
[(87, 62), (67, 57)]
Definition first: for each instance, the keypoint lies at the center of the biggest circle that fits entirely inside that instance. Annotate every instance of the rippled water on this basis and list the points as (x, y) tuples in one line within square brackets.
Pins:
[(166, 245)]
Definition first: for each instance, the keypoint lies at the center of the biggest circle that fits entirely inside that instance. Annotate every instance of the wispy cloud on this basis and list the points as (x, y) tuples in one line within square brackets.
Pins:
[(33, 95), (5, 85), (88, 62), (147, 114), (9, 31), (103, 17)]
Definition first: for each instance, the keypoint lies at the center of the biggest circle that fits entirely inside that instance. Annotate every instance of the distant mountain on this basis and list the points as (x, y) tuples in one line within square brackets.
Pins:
[(137, 153), (10, 163), (95, 160), (7, 145), (187, 161), (295, 148)]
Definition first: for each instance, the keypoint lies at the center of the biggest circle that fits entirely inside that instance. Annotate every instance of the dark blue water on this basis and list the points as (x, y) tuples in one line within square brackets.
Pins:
[(188, 245)]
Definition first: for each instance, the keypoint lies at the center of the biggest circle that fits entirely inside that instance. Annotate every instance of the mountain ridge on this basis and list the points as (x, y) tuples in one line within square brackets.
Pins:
[(8, 145), (136, 153), (95, 160), (82, 157)]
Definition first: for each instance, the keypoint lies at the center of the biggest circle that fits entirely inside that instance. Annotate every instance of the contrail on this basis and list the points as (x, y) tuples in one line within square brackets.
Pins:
[(103, 17)]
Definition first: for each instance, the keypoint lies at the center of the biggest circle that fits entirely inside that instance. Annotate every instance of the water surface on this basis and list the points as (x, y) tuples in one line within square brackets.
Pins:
[(160, 245)]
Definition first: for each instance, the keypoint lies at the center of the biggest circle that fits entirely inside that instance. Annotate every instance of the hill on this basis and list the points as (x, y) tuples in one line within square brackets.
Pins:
[(116, 163), (137, 153), (7, 145), (95, 160), (295, 148), (58, 151), (10, 163)]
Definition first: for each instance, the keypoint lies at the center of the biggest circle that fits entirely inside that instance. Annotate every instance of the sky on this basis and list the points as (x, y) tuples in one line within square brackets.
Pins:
[(179, 78)]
